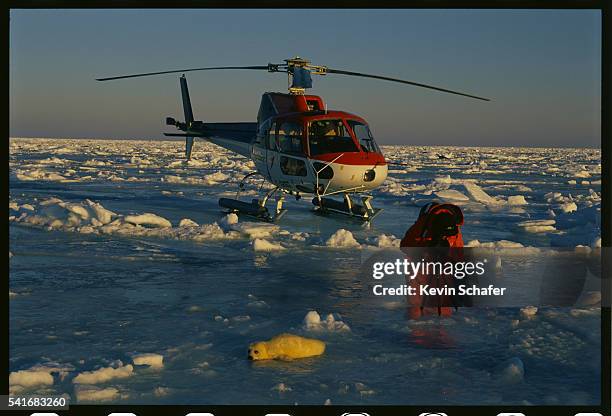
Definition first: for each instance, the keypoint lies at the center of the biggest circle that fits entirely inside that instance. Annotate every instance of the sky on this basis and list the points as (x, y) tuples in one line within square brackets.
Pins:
[(541, 68)]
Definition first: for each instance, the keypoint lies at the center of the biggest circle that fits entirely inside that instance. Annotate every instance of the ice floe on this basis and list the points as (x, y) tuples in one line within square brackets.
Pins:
[(260, 244), (538, 226), (148, 219), (342, 239), (152, 360), (255, 229), (517, 200), (31, 377), (91, 217), (187, 222), (104, 374), (86, 393), (568, 207), (230, 219), (331, 323), (477, 194), (385, 240), (452, 195)]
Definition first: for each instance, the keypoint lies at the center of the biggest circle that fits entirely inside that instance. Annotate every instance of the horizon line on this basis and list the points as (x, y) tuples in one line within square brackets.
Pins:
[(381, 144)]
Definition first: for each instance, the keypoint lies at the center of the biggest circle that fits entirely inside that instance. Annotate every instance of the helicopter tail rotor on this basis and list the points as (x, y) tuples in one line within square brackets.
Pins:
[(188, 115), (186, 100), (188, 146)]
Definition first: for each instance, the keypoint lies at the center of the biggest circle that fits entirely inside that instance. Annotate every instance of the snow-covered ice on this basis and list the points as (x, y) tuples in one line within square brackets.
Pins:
[(125, 272), (479, 195), (93, 394), (103, 375), (313, 322), (29, 378), (517, 200), (260, 244), (385, 240), (148, 220), (452, 195), (343, 239), (149, 359), (538, 226)]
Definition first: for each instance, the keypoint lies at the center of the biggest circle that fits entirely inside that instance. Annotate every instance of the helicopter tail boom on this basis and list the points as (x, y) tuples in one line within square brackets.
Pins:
[(235, 137)]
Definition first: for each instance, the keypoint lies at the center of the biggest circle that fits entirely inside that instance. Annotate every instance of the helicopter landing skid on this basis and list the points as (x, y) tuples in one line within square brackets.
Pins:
[(363, 212), (253, 209), (256, 208)]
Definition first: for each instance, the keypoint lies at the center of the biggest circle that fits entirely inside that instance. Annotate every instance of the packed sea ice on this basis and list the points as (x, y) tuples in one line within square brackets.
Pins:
[(128, 284)]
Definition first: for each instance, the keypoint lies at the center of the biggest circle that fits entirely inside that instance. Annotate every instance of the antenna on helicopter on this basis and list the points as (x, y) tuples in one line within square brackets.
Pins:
[(299, 71)]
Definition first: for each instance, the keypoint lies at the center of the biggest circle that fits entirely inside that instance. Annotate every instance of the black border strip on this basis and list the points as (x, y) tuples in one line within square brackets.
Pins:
[(313, 4), (99, 410), (5, 200), (606, 202)]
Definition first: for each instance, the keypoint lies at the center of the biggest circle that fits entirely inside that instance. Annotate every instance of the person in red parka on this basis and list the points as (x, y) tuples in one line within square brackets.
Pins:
[(437, 227)]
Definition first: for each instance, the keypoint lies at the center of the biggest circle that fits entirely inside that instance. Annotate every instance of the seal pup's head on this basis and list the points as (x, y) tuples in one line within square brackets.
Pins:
[(258, 351)]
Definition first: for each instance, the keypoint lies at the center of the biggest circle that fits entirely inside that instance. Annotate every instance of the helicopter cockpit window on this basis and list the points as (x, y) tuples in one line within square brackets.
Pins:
[(363, 134), (289, 138), (329, 136)]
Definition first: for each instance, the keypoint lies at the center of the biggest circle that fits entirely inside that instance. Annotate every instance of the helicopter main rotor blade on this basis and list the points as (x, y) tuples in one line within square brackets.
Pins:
[(146, 74), (401, 81)]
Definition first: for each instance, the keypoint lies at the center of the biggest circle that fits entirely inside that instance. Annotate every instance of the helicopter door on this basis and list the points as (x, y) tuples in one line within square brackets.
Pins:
[(285, 157), (259, 149)]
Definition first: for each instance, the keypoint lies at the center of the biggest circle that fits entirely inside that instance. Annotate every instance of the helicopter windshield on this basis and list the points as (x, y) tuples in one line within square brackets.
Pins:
[(364, 135), (329, 136)]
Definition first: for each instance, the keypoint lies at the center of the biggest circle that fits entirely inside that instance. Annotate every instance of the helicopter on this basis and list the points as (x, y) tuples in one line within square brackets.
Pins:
[(297, 144)]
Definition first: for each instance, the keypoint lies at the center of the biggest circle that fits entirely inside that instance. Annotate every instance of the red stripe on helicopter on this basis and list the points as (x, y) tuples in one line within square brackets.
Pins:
[(352, 158)]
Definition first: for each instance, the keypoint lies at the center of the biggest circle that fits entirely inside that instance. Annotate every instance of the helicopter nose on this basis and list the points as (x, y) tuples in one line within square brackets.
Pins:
[(352, 171)]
